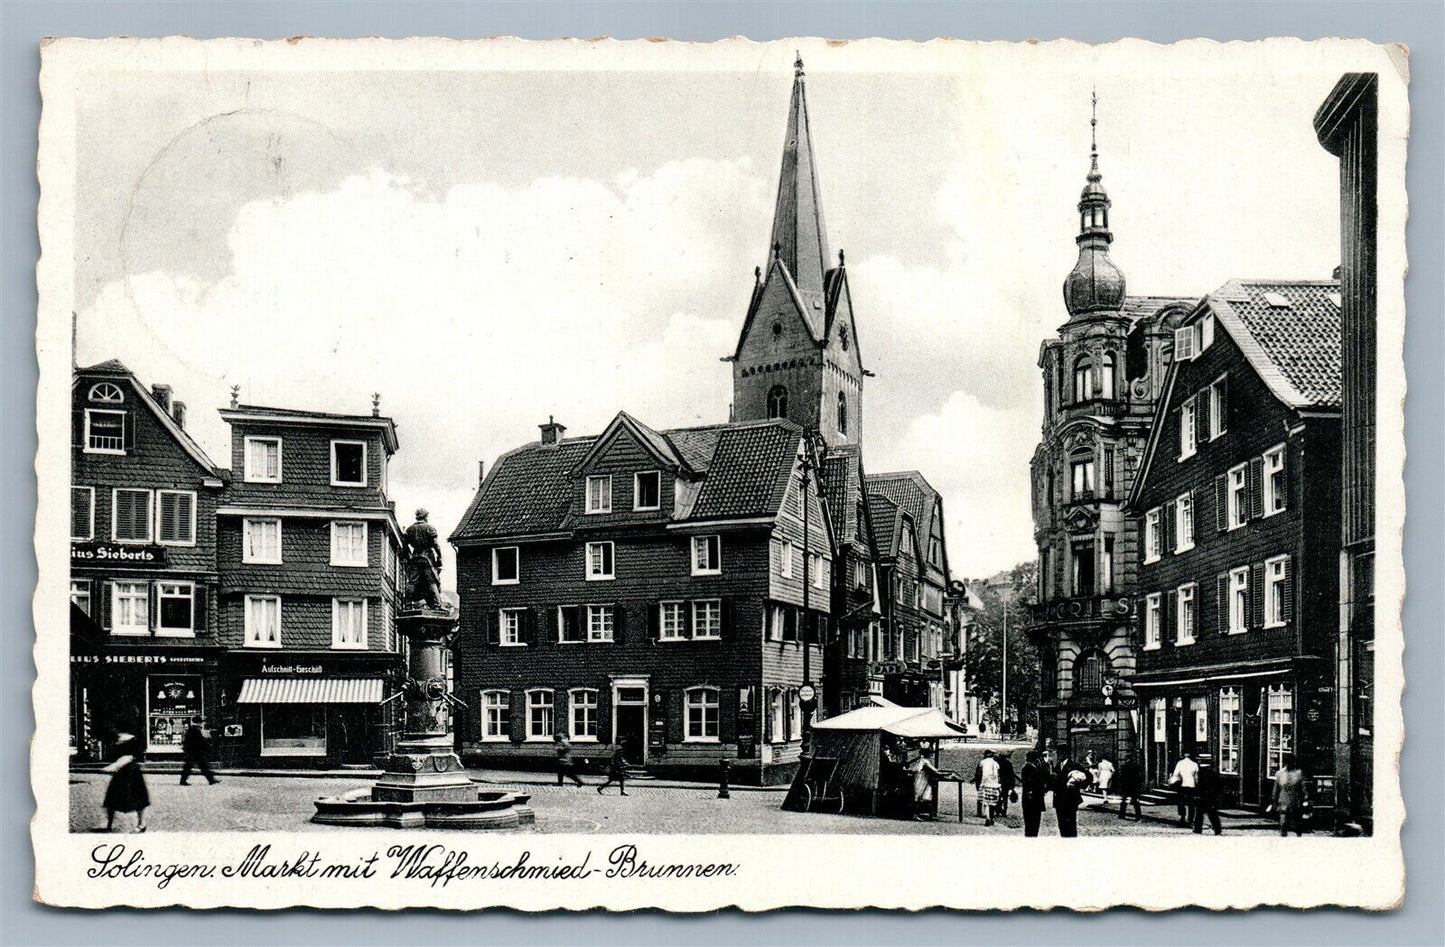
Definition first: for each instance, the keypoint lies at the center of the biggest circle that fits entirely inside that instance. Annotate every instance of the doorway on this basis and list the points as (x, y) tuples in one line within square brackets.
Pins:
[(629, 721)]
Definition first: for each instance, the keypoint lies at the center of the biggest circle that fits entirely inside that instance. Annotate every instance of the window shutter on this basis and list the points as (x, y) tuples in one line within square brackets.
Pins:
[(654, 620), (619, 622), (1256, 488), (493, 619), (725, 618), (1201, 416), (202, 616), (1221, 502), (1221, 602), (77, 427), (1286, 481), (1287, 592), (166, 516), (1167, 621), (687, 620), (1256, 595), (518, 707), (153, 608), (127, 432), (727, 712), (1166, 528), (106, 591), (1223, 404)]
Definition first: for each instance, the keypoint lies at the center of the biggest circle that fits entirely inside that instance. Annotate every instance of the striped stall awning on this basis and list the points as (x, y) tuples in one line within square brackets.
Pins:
[(310, 690)]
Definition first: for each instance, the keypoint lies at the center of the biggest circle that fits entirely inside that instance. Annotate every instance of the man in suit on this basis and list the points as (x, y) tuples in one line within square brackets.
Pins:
[(1206, 795), (1035, 779), (196, 746), (1069, 782)]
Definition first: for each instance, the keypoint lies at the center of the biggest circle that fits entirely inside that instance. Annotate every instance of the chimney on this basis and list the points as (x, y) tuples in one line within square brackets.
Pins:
[(178, 412), (481, 471), (162, 394), (552, 431)]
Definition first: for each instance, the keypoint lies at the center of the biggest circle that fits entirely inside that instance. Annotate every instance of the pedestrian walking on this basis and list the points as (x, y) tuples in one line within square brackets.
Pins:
[(1130, 782), (978, 784), (616, 772), (1105, 779), (1069, 782), (925, 778), (1007, 783), (566, 766), (127, 790), (990, 785), (1290, 796), (1206, 796), (196, 746), (1035, 778), (1186, 778)]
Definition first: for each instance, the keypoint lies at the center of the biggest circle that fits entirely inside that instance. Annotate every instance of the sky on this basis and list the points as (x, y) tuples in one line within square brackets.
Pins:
[(488, 247)]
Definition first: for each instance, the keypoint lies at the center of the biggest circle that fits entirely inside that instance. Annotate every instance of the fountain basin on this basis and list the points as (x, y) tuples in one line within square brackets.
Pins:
[(491, 809)]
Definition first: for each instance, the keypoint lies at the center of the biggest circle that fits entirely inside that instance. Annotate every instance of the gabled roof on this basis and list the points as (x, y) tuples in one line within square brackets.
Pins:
[(1289, 330), (182, 436), (841, 481), (654, 442), (816, 325), (256, 412), (886, 519), (912, 493), (744, 470)]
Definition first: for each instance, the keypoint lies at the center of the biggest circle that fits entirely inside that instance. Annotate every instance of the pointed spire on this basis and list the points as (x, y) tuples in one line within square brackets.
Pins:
[(800, 239), (1095, 284), (1094, 174)]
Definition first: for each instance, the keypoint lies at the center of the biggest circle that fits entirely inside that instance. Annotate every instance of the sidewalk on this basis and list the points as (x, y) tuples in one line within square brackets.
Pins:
[(1166, 813)]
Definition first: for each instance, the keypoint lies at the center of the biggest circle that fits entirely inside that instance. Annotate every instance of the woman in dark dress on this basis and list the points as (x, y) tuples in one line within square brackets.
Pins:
[(127, 790)]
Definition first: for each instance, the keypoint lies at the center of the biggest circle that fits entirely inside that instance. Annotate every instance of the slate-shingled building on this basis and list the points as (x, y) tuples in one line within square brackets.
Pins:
[(1238, 511), (642, 589)]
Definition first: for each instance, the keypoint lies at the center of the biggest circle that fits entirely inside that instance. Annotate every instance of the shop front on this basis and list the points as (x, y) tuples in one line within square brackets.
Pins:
[(152, 694), (309, 711)]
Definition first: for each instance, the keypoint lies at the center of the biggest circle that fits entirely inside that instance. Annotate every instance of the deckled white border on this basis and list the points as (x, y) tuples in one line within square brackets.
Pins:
[(773, 871)]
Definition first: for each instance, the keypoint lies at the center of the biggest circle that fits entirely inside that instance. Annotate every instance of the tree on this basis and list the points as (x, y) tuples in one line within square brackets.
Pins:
[(1003, 597)]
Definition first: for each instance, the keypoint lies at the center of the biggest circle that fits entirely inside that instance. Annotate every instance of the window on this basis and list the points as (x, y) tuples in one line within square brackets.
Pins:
[(1082, 567), (509, 627), (106, 393), (82, 512), (263, 621), (599, 494), (348, 543), (175, 609), (80, 595), (130, 608), (671, 624), (261, 541), (795, 715), (820, 572), (1280, 738), (584, 714), (1089, 676), (1184, 621), (599, 622), (293, 730), (348, 623), (778, 719), (1083, 380), (842, 413), (1082, 472), (1106, 567), (1238, 500), (1238, 600), (785, 559), (707, 618), (702, 715), (1274, 482), (1188, 439), (539, 715), (1276, 592), (706, 555), (131, 516), (496, 707), (1186, 343), (777, 402), (1229, 734), (843, 337), (1153, 540), (104, 431), (1218, 407), (1184, 523), (176, 523), (599, 562), (506, 565), (647, 490), (1152, 609), (263, 460), (1106, 376), (348, 463)]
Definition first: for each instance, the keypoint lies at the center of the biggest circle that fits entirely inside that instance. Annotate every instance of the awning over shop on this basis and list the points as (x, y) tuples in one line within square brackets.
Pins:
[(310, 690), (919, 723)]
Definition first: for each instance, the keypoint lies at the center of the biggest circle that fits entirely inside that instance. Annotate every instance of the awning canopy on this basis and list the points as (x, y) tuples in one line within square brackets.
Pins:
[(919, 723), (310, 690)]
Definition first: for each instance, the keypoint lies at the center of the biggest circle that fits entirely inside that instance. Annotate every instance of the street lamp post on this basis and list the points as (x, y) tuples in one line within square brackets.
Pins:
[(807, 699)]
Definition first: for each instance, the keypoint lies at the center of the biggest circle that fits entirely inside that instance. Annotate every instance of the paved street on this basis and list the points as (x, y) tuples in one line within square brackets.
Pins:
[(246, 803)]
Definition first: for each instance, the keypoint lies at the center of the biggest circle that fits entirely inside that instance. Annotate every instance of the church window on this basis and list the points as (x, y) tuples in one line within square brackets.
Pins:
[(1083, 380), (843, 337), (777, 402), (842, 413)]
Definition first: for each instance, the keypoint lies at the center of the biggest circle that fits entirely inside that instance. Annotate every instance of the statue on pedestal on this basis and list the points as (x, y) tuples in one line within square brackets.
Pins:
[(423, 563)]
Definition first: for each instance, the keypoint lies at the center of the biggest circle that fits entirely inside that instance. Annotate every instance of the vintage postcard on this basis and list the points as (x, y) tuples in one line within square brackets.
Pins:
[(644, 474)]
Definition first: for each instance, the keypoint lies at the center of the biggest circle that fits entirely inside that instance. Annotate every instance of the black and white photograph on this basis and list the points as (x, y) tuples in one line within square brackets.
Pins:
[(589, 473)]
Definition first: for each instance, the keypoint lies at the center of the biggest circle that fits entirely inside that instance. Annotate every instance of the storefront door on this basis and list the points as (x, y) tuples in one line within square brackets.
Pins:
[(1251, 763), (629, 722)]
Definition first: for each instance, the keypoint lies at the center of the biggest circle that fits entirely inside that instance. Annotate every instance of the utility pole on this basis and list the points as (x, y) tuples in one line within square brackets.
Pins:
[(807, 696), (1003, 721)]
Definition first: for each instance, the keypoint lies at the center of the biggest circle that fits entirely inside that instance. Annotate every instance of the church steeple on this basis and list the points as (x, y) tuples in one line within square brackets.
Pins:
[(1095, 284), (799, 237)]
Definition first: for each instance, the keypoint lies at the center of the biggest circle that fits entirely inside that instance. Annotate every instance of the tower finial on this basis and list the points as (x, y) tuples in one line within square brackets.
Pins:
[(1094, 174), (376, 404), (797, 65), (235, 396)]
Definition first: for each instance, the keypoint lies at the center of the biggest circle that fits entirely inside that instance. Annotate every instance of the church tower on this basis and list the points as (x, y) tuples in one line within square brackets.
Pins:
[(797, 356)]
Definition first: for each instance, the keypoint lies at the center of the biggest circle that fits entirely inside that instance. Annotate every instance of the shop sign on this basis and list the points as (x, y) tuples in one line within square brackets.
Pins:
[(888, 667), (137, 659), (291, 669), (232, 730), (125, 555)]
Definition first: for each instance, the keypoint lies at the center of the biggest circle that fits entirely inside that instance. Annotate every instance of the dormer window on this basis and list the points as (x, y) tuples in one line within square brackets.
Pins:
[(348, 463), (599, 494), (106, 393), (647, 490)]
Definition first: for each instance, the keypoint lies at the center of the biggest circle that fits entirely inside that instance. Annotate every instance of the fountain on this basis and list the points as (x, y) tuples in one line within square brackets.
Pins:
[(424, 784)]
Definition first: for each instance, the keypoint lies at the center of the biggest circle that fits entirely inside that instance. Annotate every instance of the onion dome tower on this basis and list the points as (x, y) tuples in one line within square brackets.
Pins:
[(1095, 285)]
